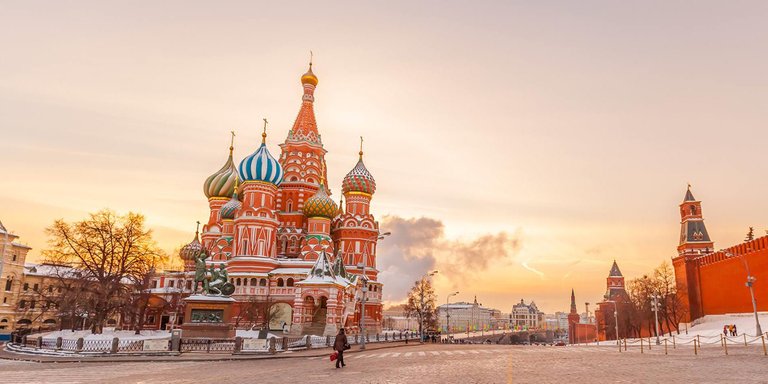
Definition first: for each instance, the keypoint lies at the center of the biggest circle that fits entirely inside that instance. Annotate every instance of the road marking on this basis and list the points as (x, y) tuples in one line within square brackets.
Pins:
[(408, 354), (448, 353), (395, 354), (422, 354), (461, 352), (434, 353)]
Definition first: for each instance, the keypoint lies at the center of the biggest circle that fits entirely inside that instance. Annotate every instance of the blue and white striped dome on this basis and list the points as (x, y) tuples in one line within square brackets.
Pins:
[(261, 166)]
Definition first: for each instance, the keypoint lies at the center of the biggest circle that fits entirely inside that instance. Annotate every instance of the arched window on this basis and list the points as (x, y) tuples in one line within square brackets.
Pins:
[(22, 303), (289, 282), (8, 283), (294, 178), (239, 282), (263, 282), (290, 206), (245, 282), (280, 282), (254, 282), (693, 209)]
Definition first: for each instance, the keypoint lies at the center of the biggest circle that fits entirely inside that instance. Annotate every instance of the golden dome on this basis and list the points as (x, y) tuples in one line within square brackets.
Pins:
[(309, 77)]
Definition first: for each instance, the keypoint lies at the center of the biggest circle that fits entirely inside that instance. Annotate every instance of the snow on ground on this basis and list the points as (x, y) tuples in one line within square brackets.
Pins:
[(712, 325)]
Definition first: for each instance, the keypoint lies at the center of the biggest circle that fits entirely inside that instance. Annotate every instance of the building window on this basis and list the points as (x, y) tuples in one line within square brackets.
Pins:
[(14, 257), (8, 284), (154, 283), (26, 286), (32, 304), (263, 282), (189, 284), (50, 289), (35, 287), (280, 282), (170, 284), (239, 282), (254, 281), (22, 304), (289, 282)]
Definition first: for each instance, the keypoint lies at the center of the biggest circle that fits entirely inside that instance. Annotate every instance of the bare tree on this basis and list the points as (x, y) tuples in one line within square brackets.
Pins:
[(109, 252), (421, 303)]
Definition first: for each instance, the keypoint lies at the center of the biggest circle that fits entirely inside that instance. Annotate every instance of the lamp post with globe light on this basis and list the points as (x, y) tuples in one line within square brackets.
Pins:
[(448, 313), (750, 282)]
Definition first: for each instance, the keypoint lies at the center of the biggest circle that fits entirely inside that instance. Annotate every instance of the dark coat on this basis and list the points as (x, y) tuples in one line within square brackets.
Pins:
[(338, 344)]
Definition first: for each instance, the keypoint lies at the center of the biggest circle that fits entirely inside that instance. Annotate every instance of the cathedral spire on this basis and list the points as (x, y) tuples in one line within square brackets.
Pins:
[(305, 126)]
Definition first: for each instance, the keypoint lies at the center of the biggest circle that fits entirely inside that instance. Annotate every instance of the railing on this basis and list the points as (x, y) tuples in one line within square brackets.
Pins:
[(130, 345), (97, 345), (207, 345), (199, 345)]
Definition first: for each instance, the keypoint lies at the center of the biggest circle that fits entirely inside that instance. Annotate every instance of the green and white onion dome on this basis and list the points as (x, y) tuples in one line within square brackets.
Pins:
[(191, 250), (359, 179), (261, 166), (228, 210), (221, 183), (320, 204)]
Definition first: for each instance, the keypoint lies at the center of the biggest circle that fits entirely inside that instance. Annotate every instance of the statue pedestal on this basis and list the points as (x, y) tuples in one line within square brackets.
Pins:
[(208, 316)]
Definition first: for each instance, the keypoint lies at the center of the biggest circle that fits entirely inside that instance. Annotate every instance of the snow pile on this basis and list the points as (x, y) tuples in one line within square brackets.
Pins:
[(108, 334), (253, 334)]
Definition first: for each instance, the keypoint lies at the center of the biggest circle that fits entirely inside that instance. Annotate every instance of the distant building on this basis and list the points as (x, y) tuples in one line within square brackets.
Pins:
[(12, 255), (526, 316), (394, 318), (463, 317), (556, 322), (616, 297)]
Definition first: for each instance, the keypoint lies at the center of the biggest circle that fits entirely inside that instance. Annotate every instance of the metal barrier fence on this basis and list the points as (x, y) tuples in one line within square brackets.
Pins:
[(698, 342)]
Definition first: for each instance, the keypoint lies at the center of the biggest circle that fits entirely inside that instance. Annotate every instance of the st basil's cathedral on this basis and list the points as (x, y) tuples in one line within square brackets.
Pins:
[(284, 241)]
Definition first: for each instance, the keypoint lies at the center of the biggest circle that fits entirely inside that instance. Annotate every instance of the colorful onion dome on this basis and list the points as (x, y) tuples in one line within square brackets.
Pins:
[(359, 179), (228, 210), (260, 165), (191, 250), (309, 77), (221, 183), (320, 204)]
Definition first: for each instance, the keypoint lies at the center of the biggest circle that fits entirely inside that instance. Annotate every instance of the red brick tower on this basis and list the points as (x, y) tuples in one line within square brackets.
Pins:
[(694, 243), (573, 319)]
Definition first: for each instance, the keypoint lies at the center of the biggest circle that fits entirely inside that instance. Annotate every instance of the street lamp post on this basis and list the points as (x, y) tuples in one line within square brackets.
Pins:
[(448, 313), (421, 307), (750, 282), (362, 304), (655, 306), (615, 317)]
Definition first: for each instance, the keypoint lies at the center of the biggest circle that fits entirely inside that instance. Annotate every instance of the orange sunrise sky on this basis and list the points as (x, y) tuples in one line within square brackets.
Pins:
[(518, 147)]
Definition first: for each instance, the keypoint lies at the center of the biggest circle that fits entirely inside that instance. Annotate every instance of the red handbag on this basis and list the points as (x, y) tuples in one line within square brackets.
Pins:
[(334, 356)]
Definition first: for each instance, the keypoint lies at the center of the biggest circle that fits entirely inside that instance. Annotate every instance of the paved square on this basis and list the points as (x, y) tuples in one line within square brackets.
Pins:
[(429, 363)]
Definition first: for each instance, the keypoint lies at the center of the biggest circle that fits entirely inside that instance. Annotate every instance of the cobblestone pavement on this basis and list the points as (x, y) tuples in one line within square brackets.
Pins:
[(429, 363)]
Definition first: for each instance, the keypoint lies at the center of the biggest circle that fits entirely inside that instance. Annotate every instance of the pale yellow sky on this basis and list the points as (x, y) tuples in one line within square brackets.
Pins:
[(571, 127)]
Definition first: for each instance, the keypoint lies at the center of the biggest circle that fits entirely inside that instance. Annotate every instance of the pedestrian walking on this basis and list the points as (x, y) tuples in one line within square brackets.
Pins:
[(725, 330), (340, 345), (735, 331)]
